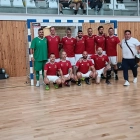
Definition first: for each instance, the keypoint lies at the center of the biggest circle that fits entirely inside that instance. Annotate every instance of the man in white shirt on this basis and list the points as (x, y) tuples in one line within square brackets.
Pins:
[(128, 57)]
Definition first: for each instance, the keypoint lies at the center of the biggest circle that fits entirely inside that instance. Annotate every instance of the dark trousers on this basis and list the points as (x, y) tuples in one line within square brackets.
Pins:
[(93, 4), (126, 64)]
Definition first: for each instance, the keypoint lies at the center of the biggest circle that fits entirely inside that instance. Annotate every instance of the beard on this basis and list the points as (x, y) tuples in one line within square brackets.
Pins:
[(85, 57), (80, 36)]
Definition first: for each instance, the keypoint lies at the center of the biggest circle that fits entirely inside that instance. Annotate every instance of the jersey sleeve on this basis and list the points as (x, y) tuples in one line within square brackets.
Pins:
[(106, 59), (33, 44), (46, 67), (90, 63), (92, 57), (58, 66), (77, 64), (117, 40), (70, 66)]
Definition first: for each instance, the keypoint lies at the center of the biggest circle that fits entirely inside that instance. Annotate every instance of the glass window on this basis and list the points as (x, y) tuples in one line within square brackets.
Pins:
[(42, 6), (125, 7), (12, 6), (99, 7)]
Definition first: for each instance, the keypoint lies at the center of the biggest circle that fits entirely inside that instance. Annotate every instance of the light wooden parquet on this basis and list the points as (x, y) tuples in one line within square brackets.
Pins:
[(89, 112)]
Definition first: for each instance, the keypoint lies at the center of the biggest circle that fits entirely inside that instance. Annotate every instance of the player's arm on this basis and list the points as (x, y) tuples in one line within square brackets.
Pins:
[(76, 68), (32, 47), (92, 68), (61, 44), (45, 70)]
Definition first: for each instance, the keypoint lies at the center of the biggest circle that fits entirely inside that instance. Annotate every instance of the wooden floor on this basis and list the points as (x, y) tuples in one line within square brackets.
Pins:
[(94, 112)]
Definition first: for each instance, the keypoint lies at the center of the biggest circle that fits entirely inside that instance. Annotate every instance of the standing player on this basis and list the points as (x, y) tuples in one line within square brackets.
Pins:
[(85, 69), (66, 69), (80, 45), (53, 44), (50, 73), (111, 49), (38, 50), (89, 42), (68, 44), (101, 63), (100, 39)]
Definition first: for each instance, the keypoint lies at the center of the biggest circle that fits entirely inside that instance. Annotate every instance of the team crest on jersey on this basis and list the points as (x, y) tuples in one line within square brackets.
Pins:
[(49, 39), (67, 64), (66, 40), (82, 41), (103, 59), (87, 64), (61, 64), (98, 39), (49, 67), (112, 39), (55, 66), (71, 40), (56, 39)]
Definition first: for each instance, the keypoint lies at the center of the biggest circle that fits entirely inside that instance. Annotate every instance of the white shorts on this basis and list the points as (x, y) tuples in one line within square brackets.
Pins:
[(86, 74), (56, 60), (53, 78), (77, 57), (101, 71), (72, 60), (113, 60), (66, 76)]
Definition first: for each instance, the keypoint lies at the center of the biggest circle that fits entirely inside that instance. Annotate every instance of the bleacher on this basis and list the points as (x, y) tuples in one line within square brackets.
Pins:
[(50, 7)]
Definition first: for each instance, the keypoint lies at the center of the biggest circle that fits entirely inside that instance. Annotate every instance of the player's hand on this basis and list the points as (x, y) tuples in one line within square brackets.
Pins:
[(32, 59)]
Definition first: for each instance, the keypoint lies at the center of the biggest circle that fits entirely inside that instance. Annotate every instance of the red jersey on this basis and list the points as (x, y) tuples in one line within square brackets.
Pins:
[(68, 45), (99, 61), (53, 45), (84, 66), (51, 68), (111, 45), (80, 46), (90, 44), (64, 66), (100, 42)]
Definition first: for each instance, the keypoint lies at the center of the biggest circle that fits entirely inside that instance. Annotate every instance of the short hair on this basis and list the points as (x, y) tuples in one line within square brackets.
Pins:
[(79, 31), (52, 54), (52, 27), (40, 29), (100, 27), (111, 28), (68, 29), (127, 31), (89, 28)]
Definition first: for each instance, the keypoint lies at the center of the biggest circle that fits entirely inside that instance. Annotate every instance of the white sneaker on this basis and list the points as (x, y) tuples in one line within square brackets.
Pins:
[(37, 84), (135, 80), (126, 83)]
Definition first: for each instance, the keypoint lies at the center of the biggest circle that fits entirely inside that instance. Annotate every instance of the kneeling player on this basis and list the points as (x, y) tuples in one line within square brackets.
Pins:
[(85, 69), (66, 69), (101, 63), (50, 70)]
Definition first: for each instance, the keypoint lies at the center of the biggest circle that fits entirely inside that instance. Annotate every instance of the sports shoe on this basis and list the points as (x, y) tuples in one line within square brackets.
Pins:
[(116, 77), (56, 86), (108, 83), (47, 87), (82, 78), (60, 85), (87, 81), (126, 83), (135, 80), (37, 84), (79, 83), (67, 84)]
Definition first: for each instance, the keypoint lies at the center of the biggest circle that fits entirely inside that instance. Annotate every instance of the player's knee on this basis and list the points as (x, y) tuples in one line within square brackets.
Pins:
[(79, 75), (46, 81), (59, 81)]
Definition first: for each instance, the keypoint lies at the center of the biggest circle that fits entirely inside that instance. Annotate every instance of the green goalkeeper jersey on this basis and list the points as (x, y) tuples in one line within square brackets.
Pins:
[(40, 48)]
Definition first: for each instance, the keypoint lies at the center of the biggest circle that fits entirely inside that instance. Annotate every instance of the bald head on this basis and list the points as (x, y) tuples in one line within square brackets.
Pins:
[(63, 55), (85, 54)]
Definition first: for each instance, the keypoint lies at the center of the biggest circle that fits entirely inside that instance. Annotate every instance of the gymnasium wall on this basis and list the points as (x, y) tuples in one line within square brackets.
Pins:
[(13, 44), (13, 47)]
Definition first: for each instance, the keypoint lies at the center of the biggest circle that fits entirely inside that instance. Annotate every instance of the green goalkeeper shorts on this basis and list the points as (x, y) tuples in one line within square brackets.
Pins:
[(39, 65)]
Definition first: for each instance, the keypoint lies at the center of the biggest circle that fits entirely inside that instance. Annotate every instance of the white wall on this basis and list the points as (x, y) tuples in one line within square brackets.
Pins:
[(52, 18)]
